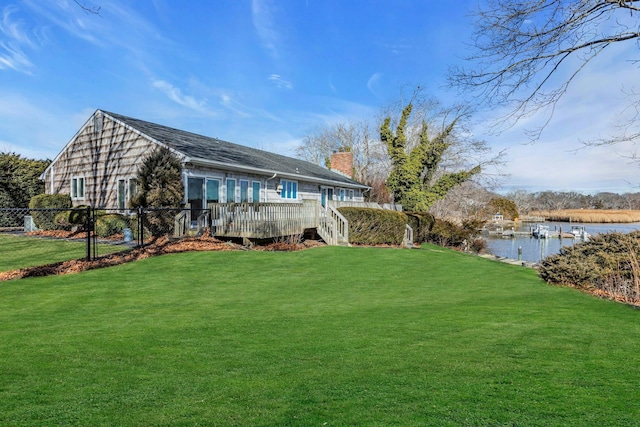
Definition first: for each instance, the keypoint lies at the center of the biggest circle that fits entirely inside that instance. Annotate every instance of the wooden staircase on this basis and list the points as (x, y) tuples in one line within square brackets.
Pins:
[(332, 226)]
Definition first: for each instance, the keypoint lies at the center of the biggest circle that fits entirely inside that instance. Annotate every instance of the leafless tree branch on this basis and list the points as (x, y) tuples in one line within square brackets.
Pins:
[(90, 10), (523, 48)]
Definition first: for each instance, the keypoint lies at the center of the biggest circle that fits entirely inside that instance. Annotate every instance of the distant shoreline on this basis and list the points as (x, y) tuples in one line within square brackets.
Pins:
[(602, 216)]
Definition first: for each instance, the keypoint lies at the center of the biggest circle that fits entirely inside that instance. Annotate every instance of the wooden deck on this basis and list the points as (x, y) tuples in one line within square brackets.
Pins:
[(262, 220), (274, 220)]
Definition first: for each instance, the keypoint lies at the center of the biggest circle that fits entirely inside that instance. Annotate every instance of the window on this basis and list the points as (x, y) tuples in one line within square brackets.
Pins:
[(127, 189), (289, 189), (122, 194), (133, 188), (351, 197), (195, 192), (342, 193), (77, 188), (244, 191), (213, 191), (231, 190), (256, 191)]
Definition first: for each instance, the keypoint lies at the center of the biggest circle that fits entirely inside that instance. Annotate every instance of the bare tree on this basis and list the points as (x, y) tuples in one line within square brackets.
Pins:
[(370, 159), (467, 200), (523, 47), (372, 162)]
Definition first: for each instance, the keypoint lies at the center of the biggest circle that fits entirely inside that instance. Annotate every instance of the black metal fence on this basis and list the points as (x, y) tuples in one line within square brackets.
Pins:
[(104, 230)]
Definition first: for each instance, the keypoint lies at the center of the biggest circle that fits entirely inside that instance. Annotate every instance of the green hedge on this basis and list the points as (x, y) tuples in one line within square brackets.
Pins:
[(422, 224), (46, 220), (375, 226), (451, 235)]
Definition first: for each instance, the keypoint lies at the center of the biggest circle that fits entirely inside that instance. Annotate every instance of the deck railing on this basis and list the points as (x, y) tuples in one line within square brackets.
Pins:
[(387, 206), (262, 220), (333, 227), (271, 220)]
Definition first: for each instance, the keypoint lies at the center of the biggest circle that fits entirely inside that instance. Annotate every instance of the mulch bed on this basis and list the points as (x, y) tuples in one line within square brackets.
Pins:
[(159, 246)]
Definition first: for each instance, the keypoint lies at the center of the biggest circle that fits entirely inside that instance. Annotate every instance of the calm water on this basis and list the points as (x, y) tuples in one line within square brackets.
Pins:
[(535, 250)]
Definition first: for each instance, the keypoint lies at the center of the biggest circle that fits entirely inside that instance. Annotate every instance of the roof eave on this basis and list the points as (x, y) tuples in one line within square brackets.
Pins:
[(268, 172)]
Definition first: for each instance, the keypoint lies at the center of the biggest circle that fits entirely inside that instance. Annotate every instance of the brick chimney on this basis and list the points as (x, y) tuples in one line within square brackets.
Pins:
[(342, 162)]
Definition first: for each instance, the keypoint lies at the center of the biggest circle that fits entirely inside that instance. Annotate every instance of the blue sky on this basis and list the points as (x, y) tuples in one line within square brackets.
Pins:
[(263, 73)]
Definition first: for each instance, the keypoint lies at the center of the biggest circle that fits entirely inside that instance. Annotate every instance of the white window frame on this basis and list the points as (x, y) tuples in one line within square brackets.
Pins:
[(253, 192), (127, 192), (206, 187), (245, 182), (74, 191), (131, 190), (122, 181), (289, 189), (226, 190)]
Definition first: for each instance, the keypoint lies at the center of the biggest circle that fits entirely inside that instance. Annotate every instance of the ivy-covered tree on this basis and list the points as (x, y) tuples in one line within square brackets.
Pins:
[(20, 179), (416, 181)]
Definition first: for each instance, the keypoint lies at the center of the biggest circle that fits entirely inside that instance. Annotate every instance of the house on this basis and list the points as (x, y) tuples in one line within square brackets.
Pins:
[(98, 167)]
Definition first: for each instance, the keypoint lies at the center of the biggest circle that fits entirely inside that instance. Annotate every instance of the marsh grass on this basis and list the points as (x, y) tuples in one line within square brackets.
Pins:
[(590, 215), (329, 336)]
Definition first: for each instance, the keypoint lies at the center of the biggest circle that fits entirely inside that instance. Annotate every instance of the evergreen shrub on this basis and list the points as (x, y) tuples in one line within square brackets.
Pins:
[(46, 220), (66, 220), (110, 224), (607, 262), (369, 226)]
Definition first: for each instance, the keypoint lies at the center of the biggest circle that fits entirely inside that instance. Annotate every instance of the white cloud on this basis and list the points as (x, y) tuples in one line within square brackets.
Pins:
[(280, 82), (590, 110), (374, 82), (175, 94), (231, 104), (263, 14), (14, 38)]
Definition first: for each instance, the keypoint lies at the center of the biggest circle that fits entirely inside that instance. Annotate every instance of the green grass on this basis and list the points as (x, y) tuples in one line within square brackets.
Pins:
[(330, 336), (21, 252)]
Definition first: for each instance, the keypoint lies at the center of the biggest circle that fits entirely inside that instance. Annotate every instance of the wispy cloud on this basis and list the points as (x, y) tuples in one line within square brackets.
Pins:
[(176, 95), (117, 26), (14, 38), (231, 104), (280, 82), (263, 14), (397, 48), (373, 83)]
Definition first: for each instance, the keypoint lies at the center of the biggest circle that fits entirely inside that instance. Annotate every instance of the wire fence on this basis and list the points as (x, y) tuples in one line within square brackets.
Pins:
[(103, 230)]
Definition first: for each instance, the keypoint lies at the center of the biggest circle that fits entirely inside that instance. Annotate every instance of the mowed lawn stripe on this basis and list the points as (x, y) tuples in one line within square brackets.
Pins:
[(342, 336)]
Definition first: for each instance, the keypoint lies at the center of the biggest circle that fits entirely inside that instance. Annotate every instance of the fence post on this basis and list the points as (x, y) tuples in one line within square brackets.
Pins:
[(94, 219), (140, 233), (87, 226)]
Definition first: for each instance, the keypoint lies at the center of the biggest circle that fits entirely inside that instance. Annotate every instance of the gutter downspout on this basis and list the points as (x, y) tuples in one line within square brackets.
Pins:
[(266, 185)]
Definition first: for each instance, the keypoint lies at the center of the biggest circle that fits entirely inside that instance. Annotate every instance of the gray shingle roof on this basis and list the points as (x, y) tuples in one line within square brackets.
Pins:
[(197, 146)]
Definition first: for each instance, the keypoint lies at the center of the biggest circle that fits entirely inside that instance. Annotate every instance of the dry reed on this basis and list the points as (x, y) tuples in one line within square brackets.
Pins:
[(589, 215)]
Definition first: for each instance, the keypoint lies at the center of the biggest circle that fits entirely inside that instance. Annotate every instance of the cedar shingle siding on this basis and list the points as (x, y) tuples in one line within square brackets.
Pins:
[(110, 147)]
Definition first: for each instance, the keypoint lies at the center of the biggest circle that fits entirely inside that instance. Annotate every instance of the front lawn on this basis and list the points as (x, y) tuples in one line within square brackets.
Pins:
[(23, 251), (329, 336)]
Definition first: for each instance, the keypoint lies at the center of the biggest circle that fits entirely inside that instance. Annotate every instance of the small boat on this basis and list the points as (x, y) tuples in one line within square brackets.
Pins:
[(541, 231), (580, 232)]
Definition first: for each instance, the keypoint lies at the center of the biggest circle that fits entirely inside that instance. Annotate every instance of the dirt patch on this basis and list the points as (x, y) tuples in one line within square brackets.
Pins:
[(158, 247)]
